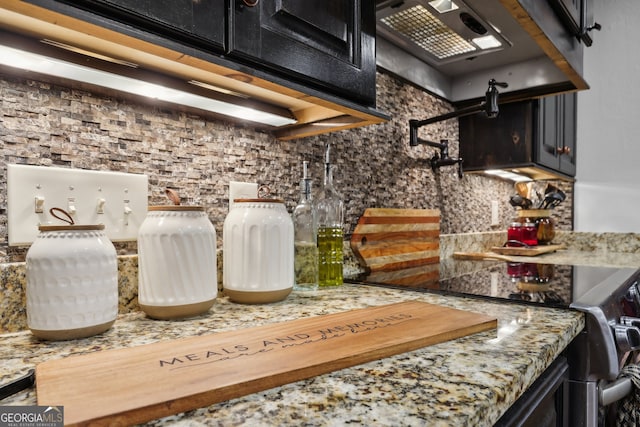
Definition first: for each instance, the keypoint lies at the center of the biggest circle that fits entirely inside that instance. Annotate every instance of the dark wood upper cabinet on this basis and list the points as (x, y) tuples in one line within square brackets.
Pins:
[(325, 45), (328, 43)]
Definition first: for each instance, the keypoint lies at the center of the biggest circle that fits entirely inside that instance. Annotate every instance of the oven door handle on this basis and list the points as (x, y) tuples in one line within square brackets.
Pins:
[(615, 391)]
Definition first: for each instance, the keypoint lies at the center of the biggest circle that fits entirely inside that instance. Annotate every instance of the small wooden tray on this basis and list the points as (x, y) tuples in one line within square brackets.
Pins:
[(521, 251)]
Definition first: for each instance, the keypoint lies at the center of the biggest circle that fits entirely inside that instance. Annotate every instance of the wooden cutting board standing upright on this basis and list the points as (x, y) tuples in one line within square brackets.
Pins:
[(134, 385), (392, 239)]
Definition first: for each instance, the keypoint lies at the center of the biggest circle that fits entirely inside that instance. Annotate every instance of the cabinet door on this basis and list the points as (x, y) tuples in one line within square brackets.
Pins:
[(569, 12), (569, 134), (329, 44), (548, 136), (200, 23), (557, 133)]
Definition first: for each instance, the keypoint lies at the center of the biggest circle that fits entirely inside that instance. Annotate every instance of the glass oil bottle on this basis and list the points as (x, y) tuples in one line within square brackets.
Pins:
[(330, 210), (305, 237)]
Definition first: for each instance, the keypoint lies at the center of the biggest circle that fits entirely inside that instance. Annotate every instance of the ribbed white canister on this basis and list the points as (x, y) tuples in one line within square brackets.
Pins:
[(177, 271), (258, 251)]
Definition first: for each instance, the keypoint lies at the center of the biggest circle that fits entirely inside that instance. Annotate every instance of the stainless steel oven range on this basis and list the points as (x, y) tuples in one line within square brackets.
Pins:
[(582, 387)]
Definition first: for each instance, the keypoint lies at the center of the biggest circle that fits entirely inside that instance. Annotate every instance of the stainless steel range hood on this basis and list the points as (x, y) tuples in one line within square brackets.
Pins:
[(438, 45)]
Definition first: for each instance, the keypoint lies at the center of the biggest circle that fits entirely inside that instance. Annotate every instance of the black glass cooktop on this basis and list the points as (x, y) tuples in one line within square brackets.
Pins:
[(549, 285)]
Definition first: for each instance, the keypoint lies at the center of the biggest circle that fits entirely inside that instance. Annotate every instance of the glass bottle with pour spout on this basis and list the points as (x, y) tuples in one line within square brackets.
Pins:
[(330, 211), (305, 227)]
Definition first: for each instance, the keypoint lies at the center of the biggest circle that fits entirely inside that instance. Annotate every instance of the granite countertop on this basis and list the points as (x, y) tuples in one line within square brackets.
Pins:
[(467, 381)]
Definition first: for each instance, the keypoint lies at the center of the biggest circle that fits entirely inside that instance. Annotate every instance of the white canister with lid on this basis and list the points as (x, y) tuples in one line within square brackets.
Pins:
[(72, 281), (258, 251), (177, 271)]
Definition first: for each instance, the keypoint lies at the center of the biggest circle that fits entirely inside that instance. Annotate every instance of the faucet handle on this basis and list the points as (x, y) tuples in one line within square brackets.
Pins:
[(491, 98)]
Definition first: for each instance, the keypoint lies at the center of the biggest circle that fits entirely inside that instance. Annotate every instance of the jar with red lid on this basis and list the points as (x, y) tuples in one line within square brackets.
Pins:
[(529, 233), (514, 234)]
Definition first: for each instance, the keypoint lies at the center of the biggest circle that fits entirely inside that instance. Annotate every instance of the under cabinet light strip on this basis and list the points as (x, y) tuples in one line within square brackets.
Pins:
[(59, 68), (88, 53), (507, 175)]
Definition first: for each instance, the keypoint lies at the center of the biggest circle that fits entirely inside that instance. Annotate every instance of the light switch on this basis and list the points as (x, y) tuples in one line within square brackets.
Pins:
[(100, 206), (39, 204), (71, 206)]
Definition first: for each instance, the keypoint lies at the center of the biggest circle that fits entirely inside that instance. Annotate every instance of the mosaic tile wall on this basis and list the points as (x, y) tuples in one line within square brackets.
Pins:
[(42, 123)]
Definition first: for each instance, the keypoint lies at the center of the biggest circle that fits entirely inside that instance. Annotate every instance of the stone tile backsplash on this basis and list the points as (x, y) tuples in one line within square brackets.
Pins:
[(43, 123)]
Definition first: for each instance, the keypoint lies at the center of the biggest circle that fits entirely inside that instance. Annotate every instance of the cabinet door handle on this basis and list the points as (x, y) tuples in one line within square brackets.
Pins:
[(563, 150), (251, 3)]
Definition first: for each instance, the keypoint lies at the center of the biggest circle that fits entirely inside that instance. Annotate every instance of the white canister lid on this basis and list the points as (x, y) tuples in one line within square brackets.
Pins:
[(70, 225), (258, 201), (74, 227), (176, 208)]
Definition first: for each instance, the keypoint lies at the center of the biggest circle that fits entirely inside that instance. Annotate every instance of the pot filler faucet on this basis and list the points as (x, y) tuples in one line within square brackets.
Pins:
[(489, 106)]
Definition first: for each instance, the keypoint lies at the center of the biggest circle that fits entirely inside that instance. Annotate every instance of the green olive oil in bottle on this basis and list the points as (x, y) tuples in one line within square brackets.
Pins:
[(329, 209)]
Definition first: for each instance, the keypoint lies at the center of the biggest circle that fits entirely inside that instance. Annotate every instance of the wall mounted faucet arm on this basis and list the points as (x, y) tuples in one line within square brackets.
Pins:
[(450, 115), (489, 106)]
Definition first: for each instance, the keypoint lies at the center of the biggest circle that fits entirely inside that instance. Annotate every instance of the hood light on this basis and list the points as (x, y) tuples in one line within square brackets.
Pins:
[(68, 70), (443, 6), (487, 42)]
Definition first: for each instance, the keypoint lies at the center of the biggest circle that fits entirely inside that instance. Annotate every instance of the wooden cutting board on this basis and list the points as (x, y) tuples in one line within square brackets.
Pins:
[(390, 239), (533, 251), (508, 253), (134, 385), (479, 256)]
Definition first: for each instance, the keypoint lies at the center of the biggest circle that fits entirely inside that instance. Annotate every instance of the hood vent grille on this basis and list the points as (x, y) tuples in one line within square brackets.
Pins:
[(425, 30), (438, 37)]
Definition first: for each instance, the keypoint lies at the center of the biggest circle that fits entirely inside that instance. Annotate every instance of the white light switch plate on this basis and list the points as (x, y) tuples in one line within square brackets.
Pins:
[(495, 213), (117, 200), (242, 190)]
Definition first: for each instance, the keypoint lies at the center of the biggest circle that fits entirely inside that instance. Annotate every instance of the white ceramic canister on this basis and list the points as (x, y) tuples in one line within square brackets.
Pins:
[(72, 282), (177, 271), (258, 251)]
